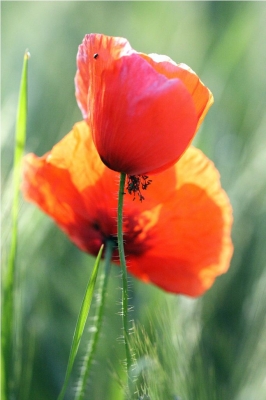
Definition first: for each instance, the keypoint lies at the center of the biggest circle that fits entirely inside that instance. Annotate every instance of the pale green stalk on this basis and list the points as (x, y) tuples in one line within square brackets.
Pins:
[(99, 317), (82, 318), (9, 276)]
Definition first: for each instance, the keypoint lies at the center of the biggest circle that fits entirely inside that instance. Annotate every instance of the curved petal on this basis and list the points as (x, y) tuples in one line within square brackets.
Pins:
[(76, 153), (51, 189), (190, 242), (202, 96), (96, 54), (150, 124), (73, 186), (141, 120)]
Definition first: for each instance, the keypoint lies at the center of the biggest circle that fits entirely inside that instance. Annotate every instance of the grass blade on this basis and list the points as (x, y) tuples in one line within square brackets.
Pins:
[(9, 276), (82, 318), (85, 371)]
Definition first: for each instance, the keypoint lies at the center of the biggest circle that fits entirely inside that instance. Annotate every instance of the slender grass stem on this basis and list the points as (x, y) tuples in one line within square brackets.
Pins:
[(124, 274), (98, 323), (81, 321), (9, 276)]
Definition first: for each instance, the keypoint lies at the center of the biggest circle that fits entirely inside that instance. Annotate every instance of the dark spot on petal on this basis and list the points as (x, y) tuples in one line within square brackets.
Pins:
[(96, 226)]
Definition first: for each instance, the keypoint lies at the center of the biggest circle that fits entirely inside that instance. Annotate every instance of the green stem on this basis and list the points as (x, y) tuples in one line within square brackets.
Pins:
[(98, 317), (124, 272), (81, 321)]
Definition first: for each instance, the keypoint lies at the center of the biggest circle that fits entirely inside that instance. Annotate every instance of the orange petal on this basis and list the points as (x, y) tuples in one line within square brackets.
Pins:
[(62, 183), (202, 96), (77, 154), (189, 243)]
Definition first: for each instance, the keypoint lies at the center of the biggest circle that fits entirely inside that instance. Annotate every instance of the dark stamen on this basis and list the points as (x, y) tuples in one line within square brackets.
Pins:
[(137, 182)]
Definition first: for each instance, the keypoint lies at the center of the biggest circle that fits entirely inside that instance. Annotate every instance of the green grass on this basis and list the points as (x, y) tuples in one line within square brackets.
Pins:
[(82, 318), (8, 316), (96, 328)]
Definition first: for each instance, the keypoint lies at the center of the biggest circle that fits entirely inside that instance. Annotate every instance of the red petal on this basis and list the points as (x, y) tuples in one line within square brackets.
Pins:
[(189, 237), (141, 120), (72, 186), (96, 53)]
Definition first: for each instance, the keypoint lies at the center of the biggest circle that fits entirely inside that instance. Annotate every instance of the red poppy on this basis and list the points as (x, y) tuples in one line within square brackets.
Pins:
[(143, 110), (177, 239)]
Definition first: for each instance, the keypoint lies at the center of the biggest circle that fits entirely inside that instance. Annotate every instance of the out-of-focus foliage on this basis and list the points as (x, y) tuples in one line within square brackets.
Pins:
[(210, 348)]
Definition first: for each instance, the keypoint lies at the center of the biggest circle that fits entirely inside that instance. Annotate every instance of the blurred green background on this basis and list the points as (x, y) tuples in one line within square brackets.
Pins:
[(209, 348)]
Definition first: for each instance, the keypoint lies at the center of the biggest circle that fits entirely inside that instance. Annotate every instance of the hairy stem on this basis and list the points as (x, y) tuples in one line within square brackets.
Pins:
[(124, 273)]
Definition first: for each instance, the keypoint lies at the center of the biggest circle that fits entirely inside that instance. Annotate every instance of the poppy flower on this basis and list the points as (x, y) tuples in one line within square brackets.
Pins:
[(177, 239), (143, 110)]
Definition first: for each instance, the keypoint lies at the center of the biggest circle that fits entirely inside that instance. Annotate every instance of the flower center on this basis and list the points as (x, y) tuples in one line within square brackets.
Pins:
[(135, 238)]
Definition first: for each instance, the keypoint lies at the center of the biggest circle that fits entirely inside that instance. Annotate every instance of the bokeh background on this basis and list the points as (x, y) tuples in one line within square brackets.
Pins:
[(208, 348)]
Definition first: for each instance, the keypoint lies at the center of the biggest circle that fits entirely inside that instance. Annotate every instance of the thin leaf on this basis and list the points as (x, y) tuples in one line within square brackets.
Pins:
[(85, 371), (9, 277), (82, 318)]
